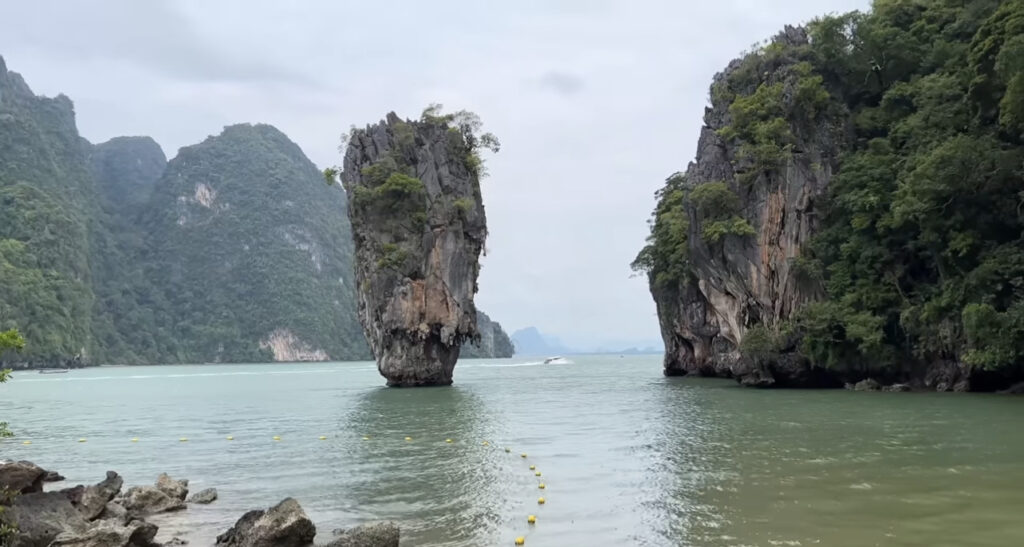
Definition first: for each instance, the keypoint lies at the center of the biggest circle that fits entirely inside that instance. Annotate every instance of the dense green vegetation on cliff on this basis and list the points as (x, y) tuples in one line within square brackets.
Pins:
[(920, 250), (232, 251), (252, 253)]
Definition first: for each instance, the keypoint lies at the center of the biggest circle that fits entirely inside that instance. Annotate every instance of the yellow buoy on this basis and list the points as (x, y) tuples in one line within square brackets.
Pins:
[(366, 437), (26, 442), (532, 467), (135, 439), (485, 443), (536, 474), (323, 438), (183, 440), (540, 501), (508, 450), (448, 440), (520, 540), (230, 438), (541, 486), (532, 519), (277, 437), (81, 440), (408, 438), (523, 455)]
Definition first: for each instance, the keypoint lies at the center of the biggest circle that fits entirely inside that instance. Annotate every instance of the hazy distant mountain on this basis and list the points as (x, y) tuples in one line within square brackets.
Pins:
[(530, 341)]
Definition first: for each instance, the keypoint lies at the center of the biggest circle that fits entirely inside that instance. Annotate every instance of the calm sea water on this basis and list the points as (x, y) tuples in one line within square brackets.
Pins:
[(628, 457)]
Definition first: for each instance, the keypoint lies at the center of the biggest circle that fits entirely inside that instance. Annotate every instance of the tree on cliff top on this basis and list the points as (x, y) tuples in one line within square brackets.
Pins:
[(463, 122)]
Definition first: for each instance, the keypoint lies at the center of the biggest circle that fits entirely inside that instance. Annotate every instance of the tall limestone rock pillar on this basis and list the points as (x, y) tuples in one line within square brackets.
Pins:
[(419, 226)]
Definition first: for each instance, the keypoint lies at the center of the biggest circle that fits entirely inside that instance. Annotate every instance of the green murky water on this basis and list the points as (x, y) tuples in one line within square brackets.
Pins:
[(628, 457)]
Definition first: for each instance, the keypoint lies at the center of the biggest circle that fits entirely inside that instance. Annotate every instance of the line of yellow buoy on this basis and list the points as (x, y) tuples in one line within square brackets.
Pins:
[(530, 519)]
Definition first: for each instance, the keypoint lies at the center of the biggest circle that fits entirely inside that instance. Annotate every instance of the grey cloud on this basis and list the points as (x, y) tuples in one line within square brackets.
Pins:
[(152, 35), (563, 83)]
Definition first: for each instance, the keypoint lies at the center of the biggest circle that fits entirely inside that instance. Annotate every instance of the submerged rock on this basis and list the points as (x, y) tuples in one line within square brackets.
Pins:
[(897, 387), (283, 525), (52, 476), (208, 495), (419, 227), (21, 477), (382, 534)]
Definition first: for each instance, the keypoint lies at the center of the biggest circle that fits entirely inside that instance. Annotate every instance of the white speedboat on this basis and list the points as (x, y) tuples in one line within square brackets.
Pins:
[(550, 360)]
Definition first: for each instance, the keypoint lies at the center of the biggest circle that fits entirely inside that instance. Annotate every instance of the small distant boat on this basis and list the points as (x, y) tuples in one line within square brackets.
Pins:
[(53, 370), (550, 360)]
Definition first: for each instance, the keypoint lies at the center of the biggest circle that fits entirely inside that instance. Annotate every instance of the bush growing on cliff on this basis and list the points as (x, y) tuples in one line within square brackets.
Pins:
[(664, 258), (719, 208), (466, 139), (10, 340)]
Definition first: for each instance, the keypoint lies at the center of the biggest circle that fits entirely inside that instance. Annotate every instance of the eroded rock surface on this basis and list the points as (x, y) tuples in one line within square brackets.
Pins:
[(381, 534), (283, 525), (419, 227)]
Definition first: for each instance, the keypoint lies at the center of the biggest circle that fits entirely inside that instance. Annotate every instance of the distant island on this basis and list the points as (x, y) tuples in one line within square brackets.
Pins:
[(531, 341)]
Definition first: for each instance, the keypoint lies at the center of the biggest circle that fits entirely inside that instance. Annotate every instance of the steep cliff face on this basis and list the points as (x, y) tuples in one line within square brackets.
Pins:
[(242, 239), (419, 227), (46, 210), (848, 213), (493, 341), (747, 215)]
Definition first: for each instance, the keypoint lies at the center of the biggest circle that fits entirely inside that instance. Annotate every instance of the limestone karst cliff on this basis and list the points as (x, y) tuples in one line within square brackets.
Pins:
[(419, 227), (853, 208)]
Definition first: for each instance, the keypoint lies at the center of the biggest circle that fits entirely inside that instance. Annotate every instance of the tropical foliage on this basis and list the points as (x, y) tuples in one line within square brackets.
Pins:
[(921, 250)]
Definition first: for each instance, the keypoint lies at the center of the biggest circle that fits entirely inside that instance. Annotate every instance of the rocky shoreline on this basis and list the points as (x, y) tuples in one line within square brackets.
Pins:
[(102, 515)]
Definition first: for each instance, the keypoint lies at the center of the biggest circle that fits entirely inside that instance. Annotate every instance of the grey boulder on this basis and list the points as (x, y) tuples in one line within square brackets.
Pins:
[(174, 488), (109, 534), (381, 534), (21, 477), (208, 495), (42, 516), (283, 525), (92, 500), (146, 500)]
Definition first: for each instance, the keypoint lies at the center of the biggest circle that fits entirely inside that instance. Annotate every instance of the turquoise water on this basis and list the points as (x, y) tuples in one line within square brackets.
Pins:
[(628, 457)]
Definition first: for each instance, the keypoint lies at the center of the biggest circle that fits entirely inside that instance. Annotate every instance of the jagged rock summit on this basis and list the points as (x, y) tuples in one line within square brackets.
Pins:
[(419, 227)]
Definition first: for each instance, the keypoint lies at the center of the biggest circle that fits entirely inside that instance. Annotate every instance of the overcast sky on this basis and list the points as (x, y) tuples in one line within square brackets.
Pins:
[(595, 102)]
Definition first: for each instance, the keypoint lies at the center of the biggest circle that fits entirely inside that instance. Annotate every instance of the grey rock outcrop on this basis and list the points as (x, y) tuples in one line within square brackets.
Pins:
[(177, 489), (203, 497), (21, 477), (494, 342), (739, 281), (52, 476), (419, 227), (109, 534), (147, 500), (42, 516), (91, 501), (381, 534), (283, 525)]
